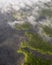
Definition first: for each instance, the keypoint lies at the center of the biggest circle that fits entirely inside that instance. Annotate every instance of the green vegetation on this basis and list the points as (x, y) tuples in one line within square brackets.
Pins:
[(48, 30), (31, 59), (25, 26), (46, 12), (34, 43)]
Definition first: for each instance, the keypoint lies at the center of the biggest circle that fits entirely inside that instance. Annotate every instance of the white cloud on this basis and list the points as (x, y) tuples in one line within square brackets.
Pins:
[(19, 3)]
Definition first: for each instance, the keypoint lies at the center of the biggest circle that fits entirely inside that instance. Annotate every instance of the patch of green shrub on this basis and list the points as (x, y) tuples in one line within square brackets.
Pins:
[(46, 12), (48, 30), (24, 26)]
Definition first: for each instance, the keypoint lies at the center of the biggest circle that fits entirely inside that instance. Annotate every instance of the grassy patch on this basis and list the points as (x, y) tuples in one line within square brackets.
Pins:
[(25, 26), (31, 59), (46, 12), (34, 42), (48, 30)]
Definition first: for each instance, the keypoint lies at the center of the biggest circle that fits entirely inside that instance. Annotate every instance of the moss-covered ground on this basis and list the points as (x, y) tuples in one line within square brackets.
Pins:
[(34, 42), (48, 30)]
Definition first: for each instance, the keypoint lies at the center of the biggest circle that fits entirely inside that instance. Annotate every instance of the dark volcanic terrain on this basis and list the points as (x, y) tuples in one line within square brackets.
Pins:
[(9, 43)]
